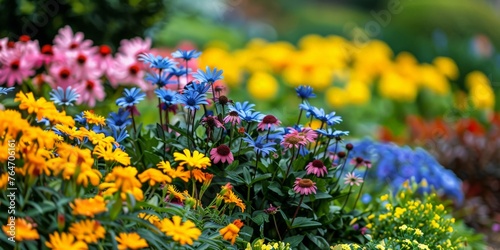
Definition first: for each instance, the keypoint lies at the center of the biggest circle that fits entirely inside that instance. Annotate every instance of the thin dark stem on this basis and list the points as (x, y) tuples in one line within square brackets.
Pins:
[(267, 136), (360, 189), (342, 167), (232, 134), (326, 148), (297, 210), (178, 83), (276, 226), (213, 99), (319, 137), (300, 116), (187, 70), (192, 128), (290, 163), (159, 111), (133, 122), (347, 198), (257, 159)]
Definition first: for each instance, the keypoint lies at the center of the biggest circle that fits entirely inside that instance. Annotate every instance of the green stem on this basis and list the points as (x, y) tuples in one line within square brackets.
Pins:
[(347, 198), (276, 226), (297, 210), (360, 189)]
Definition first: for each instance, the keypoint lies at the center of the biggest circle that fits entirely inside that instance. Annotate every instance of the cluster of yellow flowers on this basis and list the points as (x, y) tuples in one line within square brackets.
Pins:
[(344, 71), (414, 223), (260, 245)]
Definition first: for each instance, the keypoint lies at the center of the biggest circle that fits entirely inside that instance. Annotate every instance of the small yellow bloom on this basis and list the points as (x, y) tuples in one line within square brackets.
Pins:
[(89, 207), (23, 230), (184, 233), (94, 118), (128, 241), (89, 231), (262, 86), (154, 176), (197, 160), (230, 232), (65, 241)]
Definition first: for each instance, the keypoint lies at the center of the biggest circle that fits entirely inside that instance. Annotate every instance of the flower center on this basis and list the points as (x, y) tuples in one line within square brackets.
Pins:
[(11, 44), (223, 100), (14, 65), (293, 140), (104, 50), (64, 73), (269, 119), (81, 59), (306, 183), (73, 46), (134, 69), (317, 164), (47, 49), (359, 160), (223, 150), (130, 99), (233, 113), (191, 102), (24, 38), (90, 85)]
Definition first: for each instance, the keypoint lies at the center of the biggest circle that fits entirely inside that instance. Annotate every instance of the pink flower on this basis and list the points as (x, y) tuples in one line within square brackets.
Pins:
[(309, 134), (90, 91), (304, 186), (293, 140), (128, 70), (62, 75), (268, 122), (317, 168), (233, 118), (352, 179), (222, 154), (14, 67), (68, 43), (135, 46)]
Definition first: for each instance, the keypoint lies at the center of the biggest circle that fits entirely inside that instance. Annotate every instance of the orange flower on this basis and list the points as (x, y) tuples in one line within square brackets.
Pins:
[(230, 232)]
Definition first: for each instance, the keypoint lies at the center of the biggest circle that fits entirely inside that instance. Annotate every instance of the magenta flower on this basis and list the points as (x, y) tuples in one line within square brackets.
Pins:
[(352, 179), (293, 140), (90, 91), (130, 71), (232, 117), (304, 186), (62, 75), (317, 168), (68, 43), (222, 154), (14, 67), (134, 47), (269, 121), (309, 134)]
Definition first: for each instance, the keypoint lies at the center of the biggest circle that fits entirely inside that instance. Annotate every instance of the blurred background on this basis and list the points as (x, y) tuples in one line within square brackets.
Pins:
[(419, 72)]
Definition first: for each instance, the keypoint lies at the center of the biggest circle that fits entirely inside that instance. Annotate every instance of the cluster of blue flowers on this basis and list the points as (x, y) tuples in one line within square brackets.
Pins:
[(393, 165)]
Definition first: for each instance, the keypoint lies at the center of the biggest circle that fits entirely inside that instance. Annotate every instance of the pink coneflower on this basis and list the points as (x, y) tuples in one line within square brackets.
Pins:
[(293, 140), (85, 65), (304, 186), (232, 117), (309, 134), (212, 122), (90, 91), (317, 168), (105, 63), (14, 68), (66, 42), (352, 179), (130, 71), (271, 209), (62, 75), (269, 121), (222, 154), (134, 47)]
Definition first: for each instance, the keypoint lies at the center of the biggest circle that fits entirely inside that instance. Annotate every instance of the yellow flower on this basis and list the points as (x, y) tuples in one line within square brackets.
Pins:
[(65, 241), (94, 118), (230, 232), (174, 193), (23, 230), (154, 176), (106, 152), (89, 207), (230, 197), (33, 106), (446, 66), (124, 178), (72, 132), (262, 86), (153, 219), (89, 231), (110, 189), (184, 233), (4, 179), (197, 160), (130, 241)]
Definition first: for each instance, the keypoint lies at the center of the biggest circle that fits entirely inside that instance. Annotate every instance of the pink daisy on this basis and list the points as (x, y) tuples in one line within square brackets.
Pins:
[(66, 42), (293, 140), (304, 186), (134, 47), (222, 154), (212, 122), (352, 179), (85, 65), (63, 75), (128, 70), (14, 67), (232, 117), (90, 90), (269, 121), (309, 134), (317, 168)]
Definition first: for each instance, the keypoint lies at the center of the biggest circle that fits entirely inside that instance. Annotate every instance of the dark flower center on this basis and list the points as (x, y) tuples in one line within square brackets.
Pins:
[(293, 140), (210, 121), (130, 99), (11, 44), (223, 100), (269, 119), (64, 73), (223, 150), (191, 102), (90, 85), (74, 46), (104, 50), (24, 38), (81, 59), (341, 154), (14, 65), (47, 49), (134, 69), (317, 164), (359, 160), (233, 113), (306, 183)]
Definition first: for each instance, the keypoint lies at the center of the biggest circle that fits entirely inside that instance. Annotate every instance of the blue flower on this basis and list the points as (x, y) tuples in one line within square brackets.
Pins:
[(157, 62), (179, 71), (250, 116), (186, 54), (80, 118), (61, 97), (192, 100), (4, 91), (244, 107), (119, 134), (305, 92), (208, 76), (259, 146), (330, 119), (167, 96), (332, 133), (201, 88), (130, 97), (308, 108), (159, 79), (119, 120)]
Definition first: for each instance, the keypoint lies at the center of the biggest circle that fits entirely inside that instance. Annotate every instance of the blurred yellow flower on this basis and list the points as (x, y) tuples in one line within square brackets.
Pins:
[(89, 207), (447, 67), (182, 232), (480, 92), (23, 230), (64, 241), (89, 231), (124, 178), (262, 86), (154, 176), (130, 241)]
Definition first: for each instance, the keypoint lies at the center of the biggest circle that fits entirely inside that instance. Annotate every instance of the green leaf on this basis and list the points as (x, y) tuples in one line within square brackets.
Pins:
[(115, 209), (260, 217), (247, 178), (153, 201), (261, 177), (318, 241), (294, 240), (275, 187), (304, 222)]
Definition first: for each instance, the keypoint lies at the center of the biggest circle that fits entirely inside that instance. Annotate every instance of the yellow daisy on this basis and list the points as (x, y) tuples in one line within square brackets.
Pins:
[(197, 160), (184, 233), (89, 207), (65, 241), (23, 229), (94, 118), (154, 176), (130, 241), (89, 231)]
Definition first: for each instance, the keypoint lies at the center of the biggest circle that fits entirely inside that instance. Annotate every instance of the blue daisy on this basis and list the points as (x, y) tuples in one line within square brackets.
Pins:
[(130, 97), (305, 92), (64, 97), (4, 91), (209, 76), (119, 120), (192, 100), (186, 54), (260, 146), (157, 62), (167, 96)]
